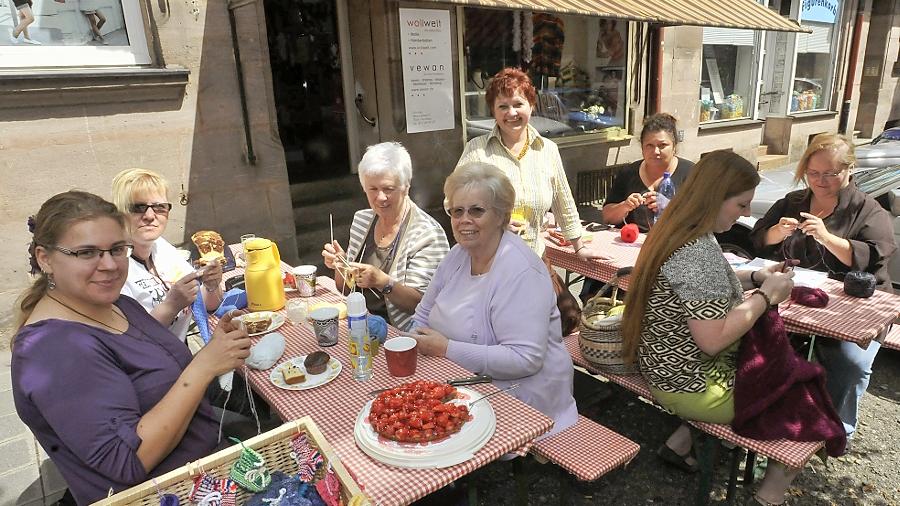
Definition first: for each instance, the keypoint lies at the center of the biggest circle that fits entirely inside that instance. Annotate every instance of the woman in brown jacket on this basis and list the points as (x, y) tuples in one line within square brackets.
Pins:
[(832, 227)]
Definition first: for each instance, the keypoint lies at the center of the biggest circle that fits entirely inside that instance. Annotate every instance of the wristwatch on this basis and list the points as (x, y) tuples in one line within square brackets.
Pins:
[(389, 287)]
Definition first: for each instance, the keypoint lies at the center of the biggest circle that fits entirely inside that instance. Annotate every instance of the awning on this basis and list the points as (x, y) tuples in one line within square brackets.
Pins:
[(722, 13)]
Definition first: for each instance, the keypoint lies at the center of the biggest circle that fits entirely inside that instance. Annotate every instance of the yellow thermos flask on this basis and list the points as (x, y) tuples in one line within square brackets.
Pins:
[(262, 277)]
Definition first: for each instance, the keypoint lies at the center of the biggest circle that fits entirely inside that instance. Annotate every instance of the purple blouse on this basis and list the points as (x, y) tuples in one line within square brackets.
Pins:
[(504, 323), (82, 390)]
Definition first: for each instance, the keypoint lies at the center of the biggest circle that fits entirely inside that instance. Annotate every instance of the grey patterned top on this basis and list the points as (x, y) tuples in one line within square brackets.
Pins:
[(696, 283)]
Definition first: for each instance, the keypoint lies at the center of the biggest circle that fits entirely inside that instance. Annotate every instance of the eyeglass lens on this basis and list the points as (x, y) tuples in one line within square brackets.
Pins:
[(474, 212)]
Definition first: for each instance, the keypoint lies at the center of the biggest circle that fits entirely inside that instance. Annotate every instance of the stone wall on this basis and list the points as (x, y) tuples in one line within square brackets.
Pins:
[(195, 140)]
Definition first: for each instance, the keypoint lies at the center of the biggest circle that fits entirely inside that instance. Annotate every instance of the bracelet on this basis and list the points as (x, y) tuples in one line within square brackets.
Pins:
[(753, 280), (764, 296)]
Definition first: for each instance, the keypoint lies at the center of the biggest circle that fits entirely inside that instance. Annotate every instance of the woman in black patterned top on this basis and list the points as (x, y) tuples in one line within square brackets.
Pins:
[(685, 315)]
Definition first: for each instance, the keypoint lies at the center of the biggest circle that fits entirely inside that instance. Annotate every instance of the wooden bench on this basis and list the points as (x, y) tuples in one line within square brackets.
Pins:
[(587, 450), (790, 453), (892, 340)]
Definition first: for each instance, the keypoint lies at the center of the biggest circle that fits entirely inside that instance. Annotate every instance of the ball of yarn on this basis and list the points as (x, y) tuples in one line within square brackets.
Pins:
[(377, 327), (629, 233), (812, 297), (859, 284)]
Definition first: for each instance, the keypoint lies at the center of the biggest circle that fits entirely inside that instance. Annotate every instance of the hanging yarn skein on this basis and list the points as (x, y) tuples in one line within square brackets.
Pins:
[(517, 32)]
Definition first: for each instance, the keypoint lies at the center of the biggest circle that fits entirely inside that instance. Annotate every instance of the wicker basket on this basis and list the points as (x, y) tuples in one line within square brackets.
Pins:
[(601, 343), (274, 446)]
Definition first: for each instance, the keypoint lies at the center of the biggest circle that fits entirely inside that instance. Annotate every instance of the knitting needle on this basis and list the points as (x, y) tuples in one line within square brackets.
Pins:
[(331, 226), (362, 255)]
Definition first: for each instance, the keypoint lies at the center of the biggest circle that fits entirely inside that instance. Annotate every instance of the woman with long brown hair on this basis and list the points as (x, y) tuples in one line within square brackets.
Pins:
[(685, 314)]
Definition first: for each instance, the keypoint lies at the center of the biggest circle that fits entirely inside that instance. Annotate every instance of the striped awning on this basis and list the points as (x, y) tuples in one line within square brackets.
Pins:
[(746, 14)]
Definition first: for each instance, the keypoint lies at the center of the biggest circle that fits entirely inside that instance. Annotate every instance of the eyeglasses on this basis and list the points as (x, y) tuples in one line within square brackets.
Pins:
[(158, 208), (825, 176), (120, 251), (474, 212)]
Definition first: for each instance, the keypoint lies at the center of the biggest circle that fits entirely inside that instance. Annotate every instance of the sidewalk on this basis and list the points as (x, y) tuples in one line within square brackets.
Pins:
[(27, 477)]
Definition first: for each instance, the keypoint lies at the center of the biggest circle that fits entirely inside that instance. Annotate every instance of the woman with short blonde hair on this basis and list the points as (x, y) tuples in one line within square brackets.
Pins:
[(159, 277)]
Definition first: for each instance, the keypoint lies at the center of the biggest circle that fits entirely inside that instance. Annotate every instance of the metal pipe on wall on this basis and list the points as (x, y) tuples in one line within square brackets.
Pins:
[(843, 123), (245, 115)]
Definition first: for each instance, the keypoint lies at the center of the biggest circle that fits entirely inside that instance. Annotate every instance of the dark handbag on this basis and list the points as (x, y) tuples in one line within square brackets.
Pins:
[(569, 310)]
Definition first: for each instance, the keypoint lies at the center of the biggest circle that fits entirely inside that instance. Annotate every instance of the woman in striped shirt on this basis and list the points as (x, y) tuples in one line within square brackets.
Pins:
[(394, 247)]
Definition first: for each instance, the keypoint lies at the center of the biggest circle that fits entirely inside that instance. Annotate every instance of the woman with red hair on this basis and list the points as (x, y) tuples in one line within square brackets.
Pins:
[(530, 161)]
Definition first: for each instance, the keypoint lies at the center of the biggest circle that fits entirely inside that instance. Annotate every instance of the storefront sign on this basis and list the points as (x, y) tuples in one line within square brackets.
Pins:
[(820, 11), (427, 69)]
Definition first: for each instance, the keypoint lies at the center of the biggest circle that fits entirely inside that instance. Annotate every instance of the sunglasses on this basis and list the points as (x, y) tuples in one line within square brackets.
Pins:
[(474, 212), (158, 208)]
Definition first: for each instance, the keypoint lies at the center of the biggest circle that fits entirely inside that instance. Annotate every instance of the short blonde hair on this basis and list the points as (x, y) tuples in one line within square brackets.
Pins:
[(130, 182), (487, 177), (838, 144)]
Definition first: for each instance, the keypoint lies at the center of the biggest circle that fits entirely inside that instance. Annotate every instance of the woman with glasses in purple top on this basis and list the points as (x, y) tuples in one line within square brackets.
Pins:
[(159, 277), (110, 394)]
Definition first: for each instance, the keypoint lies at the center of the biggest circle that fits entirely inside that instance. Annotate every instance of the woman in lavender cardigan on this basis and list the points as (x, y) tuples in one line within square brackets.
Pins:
[(490, 306)]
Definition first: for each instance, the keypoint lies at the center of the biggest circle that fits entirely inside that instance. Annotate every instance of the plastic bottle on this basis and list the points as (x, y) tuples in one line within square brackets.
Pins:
[(664, 193), (360, 346)]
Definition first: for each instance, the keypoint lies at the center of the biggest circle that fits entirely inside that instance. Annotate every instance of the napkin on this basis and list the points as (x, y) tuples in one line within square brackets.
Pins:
[(233, 299)]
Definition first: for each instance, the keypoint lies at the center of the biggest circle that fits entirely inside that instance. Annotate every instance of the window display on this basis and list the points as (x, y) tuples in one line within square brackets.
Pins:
[(815, 58), (728, 71), (577, 64), (71, 33)]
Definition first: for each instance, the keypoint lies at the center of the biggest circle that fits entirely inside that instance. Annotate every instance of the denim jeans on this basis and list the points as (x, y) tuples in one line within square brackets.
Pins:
[(848, 368)]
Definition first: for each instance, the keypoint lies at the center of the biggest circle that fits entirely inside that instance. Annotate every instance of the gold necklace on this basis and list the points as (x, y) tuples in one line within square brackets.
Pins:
[(524, 148), (70, 308)]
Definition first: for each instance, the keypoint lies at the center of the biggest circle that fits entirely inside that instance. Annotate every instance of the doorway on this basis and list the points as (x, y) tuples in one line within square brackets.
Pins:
[(305, 60)]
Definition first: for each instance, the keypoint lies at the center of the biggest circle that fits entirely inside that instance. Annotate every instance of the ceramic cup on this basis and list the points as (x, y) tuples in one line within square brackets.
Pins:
[(325, 325), (401, 354), (305, 279)]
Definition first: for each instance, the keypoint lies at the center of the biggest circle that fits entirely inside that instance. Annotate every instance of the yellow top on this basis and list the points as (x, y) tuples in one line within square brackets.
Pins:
[(538, 178)]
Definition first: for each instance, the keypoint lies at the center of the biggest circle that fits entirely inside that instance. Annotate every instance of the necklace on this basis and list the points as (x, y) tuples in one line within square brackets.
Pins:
[(70, 308), (524, 148)]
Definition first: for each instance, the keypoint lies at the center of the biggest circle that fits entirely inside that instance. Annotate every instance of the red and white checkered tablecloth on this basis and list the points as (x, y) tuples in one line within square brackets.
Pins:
[(790, 453), (335, 406), (605, 242), (846, 318)]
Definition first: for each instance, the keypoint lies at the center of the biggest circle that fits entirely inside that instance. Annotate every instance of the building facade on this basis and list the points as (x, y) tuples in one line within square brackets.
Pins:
[(249, 107)]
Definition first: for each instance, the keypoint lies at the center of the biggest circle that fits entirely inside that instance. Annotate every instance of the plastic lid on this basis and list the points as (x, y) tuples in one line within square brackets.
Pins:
[(305, 269), (356, 304)]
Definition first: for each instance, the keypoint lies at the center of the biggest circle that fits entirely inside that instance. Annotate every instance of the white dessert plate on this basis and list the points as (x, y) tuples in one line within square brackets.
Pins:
[(332, 370), (447, 452)]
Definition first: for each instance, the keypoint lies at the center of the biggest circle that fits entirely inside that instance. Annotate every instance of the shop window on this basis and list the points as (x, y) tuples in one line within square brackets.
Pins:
[(71, 33), (815, 56), (577, 64), (728, 74)]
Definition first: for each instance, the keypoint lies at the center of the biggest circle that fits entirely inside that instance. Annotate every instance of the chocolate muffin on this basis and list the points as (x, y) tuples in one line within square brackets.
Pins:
[(316, 362)]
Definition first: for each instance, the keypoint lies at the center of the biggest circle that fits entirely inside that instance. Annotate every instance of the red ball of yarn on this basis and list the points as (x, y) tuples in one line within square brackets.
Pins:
[(629, 233), (812, 297)]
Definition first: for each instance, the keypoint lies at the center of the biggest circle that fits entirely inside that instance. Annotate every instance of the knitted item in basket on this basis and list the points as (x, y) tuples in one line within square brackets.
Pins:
[(329, 488), (249, 470), (286, 491), (600, 339), (209, 491), (308, 459)]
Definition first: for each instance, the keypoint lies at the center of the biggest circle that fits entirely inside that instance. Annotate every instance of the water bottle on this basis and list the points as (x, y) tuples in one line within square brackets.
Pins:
[(360, 346), (664, 194)]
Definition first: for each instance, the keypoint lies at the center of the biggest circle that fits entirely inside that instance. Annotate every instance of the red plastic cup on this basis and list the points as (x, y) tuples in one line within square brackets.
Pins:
[(401, 355)]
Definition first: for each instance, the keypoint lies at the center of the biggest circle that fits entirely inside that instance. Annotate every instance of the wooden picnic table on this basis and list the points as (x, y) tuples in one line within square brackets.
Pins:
[(335, 406), (846, 318)]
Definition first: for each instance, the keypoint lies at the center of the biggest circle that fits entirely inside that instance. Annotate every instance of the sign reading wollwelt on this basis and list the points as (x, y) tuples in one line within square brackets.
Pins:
[(427, 70)]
